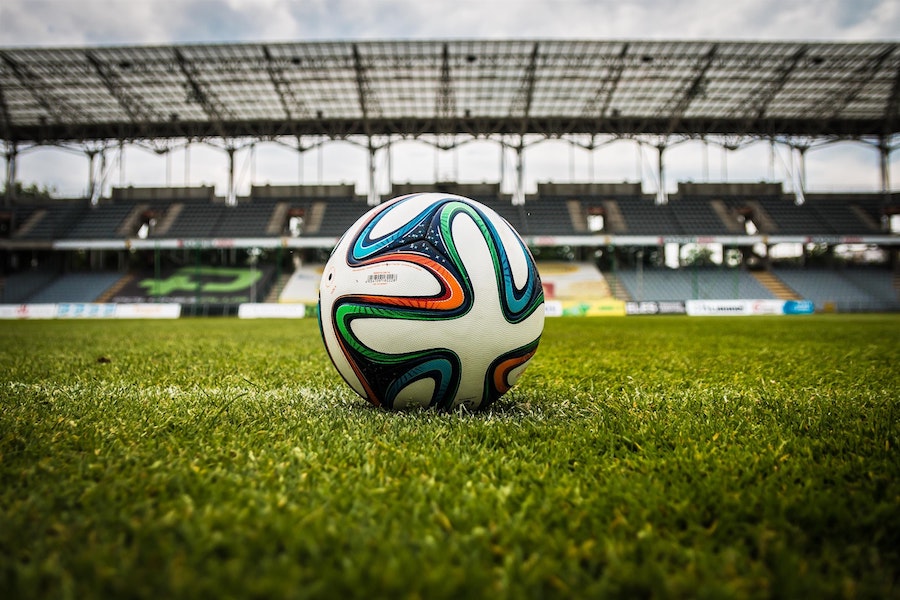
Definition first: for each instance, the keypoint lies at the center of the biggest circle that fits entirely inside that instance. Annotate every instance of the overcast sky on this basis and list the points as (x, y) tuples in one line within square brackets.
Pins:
[(118, 22)]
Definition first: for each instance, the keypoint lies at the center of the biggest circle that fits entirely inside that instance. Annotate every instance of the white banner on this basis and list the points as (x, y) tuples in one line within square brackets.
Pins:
[(90, 310), (27, 311), (262, 310), (148, 311), (706, 308)]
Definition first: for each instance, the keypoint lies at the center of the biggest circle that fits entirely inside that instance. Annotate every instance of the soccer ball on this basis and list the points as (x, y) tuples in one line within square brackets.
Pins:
[(431, 300)]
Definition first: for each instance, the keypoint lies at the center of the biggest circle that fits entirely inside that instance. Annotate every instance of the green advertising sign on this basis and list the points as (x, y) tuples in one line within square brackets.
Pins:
[(197, 284)]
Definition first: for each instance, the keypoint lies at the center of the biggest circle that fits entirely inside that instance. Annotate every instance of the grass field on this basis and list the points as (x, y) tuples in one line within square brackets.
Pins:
[(640, 457)]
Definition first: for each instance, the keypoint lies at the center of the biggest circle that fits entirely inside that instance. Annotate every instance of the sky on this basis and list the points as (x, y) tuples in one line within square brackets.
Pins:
[(842, 166)]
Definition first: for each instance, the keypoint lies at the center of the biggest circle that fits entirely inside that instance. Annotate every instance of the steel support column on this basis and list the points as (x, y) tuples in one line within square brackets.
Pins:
[(373, 197), (231, 197), (884, 151), (661, 196), (519, 191), (12, 152), (390, 169), (800, 176)]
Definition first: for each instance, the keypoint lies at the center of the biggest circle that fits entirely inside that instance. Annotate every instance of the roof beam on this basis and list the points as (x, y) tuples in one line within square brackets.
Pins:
[(5, 120), (367, 101), (834, 104), (412, 126), (446, 102), (522, 102), (207, 100), (131, 104), (892, 106), (32, 83), (607, 88), (762, 98), (678, 104), (289, 102)]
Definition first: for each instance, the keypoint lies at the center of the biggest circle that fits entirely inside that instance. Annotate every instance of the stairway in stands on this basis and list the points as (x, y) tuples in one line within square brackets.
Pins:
[(277, 288), (616, 288), (775, 285), (111, 292)]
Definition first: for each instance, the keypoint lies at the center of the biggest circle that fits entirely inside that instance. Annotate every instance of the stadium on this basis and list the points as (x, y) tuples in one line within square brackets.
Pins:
[(724, 237), (657, 455)]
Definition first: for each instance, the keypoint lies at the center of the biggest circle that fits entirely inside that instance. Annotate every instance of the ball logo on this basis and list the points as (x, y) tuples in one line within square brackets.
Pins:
[(328, 284), (431, 300)]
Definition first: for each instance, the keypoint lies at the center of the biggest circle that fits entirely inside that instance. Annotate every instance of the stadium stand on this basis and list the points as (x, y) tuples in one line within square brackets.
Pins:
[(820, 216), (21, 287), (877, 282), (195, 221), (250, 219), (99, 222), (691, 284), (325, 210), (556, 211), (842, 217), (696, 216), (643, 217), (554, 216), (845, 290), (51, 221), (76, 287)]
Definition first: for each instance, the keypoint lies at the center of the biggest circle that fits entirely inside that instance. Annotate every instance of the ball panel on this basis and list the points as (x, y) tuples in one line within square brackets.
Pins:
[(516, 302), (388, 226), (519, 257), (414, 395), (504, 371), (398, 216)]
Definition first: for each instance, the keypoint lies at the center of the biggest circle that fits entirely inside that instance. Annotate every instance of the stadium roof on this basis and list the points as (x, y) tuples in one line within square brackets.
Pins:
[(468, 87)]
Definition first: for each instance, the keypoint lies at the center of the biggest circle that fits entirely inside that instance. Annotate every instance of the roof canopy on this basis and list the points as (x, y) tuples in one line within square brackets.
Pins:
[(473, 87)]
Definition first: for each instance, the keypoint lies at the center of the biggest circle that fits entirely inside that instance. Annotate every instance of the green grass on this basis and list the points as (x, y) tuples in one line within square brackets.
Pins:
[(640, 457)]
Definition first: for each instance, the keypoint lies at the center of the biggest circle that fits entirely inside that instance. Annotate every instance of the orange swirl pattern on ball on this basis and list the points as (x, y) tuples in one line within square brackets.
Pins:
[(452, 298)]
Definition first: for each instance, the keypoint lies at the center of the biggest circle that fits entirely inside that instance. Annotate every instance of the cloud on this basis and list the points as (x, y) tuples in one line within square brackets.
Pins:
[(64, 22), (60, 23)]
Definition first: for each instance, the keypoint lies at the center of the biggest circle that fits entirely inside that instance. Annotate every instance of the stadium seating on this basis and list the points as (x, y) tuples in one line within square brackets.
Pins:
[(54, 223), (841, 218), (879, 283), (197, 215), (76, 287), (644, 217), (20, 287), (556, 210), (696, 216), (196, 221), (820, 215), (250, 219), (550, 216), (100, 222), (845, 291), (691, 284)]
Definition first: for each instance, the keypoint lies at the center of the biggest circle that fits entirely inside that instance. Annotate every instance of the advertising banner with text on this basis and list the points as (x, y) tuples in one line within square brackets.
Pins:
[(704, 308)]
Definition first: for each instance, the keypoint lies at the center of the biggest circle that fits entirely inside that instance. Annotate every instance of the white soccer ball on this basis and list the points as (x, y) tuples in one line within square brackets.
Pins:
[(431, 300)]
